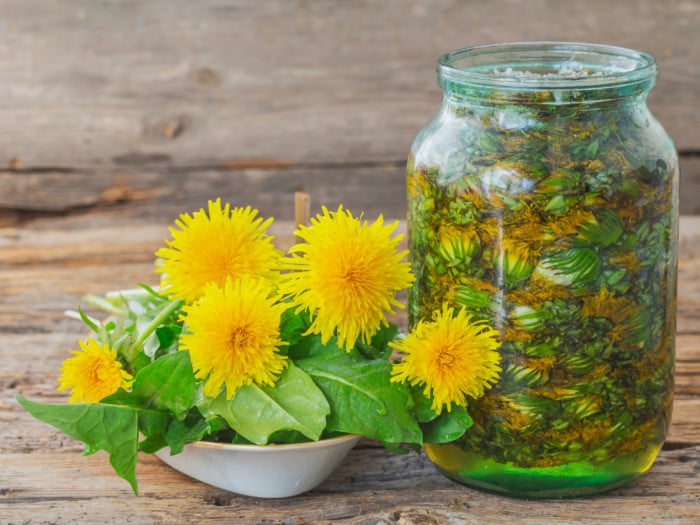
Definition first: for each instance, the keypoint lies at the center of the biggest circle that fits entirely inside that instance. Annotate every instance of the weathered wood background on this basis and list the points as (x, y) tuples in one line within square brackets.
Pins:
[(115, 116), (155, 106)]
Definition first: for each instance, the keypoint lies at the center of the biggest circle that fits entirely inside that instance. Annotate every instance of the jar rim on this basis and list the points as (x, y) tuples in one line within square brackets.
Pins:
[(538, 66)]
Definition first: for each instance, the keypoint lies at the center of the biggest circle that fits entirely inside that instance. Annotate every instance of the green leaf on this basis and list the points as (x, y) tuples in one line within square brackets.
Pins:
[(288, 436), (88, 321), (294, 403), (592, 148), (153, 443), (152, 292), (558, 204), (308, 346), (165, 313), (292, 325), (448, 426), (111, 428), (182, 432), (422, 405), (153, 425), (362, 397), (378, 347), (442, 428), (151, 345), (639, 329), (167, 383)]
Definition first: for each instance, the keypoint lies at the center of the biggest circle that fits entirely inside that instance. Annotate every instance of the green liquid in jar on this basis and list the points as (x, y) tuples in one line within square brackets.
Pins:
[(570, 479)]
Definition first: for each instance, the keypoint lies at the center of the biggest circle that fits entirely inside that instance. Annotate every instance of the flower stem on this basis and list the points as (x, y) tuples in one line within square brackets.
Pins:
[(131, 352), (103, 304)]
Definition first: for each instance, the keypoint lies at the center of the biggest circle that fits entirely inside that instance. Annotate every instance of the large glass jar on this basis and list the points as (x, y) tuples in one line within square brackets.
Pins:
[(543, 199)]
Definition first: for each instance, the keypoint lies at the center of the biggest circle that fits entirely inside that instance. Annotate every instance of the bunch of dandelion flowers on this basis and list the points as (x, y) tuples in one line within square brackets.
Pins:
[(451, 356), (346, 274), (93, 373), (214, 246), (233, 336)]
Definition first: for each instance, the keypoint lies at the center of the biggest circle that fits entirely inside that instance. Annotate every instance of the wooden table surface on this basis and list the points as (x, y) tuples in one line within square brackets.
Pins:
[(47, 264)]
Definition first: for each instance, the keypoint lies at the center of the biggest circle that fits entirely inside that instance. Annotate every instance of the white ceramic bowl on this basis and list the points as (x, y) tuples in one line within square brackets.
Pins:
[(269, 471)]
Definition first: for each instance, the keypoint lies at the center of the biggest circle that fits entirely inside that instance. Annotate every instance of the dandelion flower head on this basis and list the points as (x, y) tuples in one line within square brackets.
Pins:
[(93, 373), (346, 274), (213, 246), (233, 336), (452, 356)]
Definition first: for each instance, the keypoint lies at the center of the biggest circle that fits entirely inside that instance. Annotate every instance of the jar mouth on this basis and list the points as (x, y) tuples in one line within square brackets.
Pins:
[(542, 66)]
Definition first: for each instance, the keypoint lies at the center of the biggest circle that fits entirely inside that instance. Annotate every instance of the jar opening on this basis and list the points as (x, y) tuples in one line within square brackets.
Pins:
[(547, 66)]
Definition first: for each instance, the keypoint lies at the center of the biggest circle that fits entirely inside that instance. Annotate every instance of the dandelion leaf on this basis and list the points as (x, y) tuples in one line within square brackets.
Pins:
[(605, 231), (363, 400), (114, 429), (448, 426), (167, 383), (294, 403)]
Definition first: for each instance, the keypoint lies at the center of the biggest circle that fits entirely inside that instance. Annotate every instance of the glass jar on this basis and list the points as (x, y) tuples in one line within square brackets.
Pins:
[(543, 198)]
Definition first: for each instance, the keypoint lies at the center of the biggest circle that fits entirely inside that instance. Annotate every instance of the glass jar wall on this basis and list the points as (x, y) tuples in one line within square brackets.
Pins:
[(543, 199)]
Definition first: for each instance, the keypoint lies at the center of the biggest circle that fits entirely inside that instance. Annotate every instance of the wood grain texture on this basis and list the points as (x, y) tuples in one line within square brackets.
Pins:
[(690, 184), (372, 188), (178, 83), (48, 263), (109, 103), (161, 193)]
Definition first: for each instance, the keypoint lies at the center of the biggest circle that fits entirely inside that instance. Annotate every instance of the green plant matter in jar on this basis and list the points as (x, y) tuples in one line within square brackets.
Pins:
[(555, 222)]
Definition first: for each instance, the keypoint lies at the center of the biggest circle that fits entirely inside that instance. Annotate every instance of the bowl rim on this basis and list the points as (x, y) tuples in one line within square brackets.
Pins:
[(275, 447)]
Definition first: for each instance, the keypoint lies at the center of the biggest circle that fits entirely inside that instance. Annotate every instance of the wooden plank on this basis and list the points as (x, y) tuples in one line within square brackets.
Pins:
[(371, 486), (690, 184), (161, 193), (200, 83)]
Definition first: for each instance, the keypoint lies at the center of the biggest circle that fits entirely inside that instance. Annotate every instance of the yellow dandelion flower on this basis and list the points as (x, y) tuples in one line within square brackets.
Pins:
[(233, 334), (452, 356), (93, 373), (211, 248), (347, 275)]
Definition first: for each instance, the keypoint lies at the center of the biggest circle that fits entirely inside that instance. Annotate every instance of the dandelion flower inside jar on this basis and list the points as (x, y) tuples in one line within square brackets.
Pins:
[(543, 200)]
